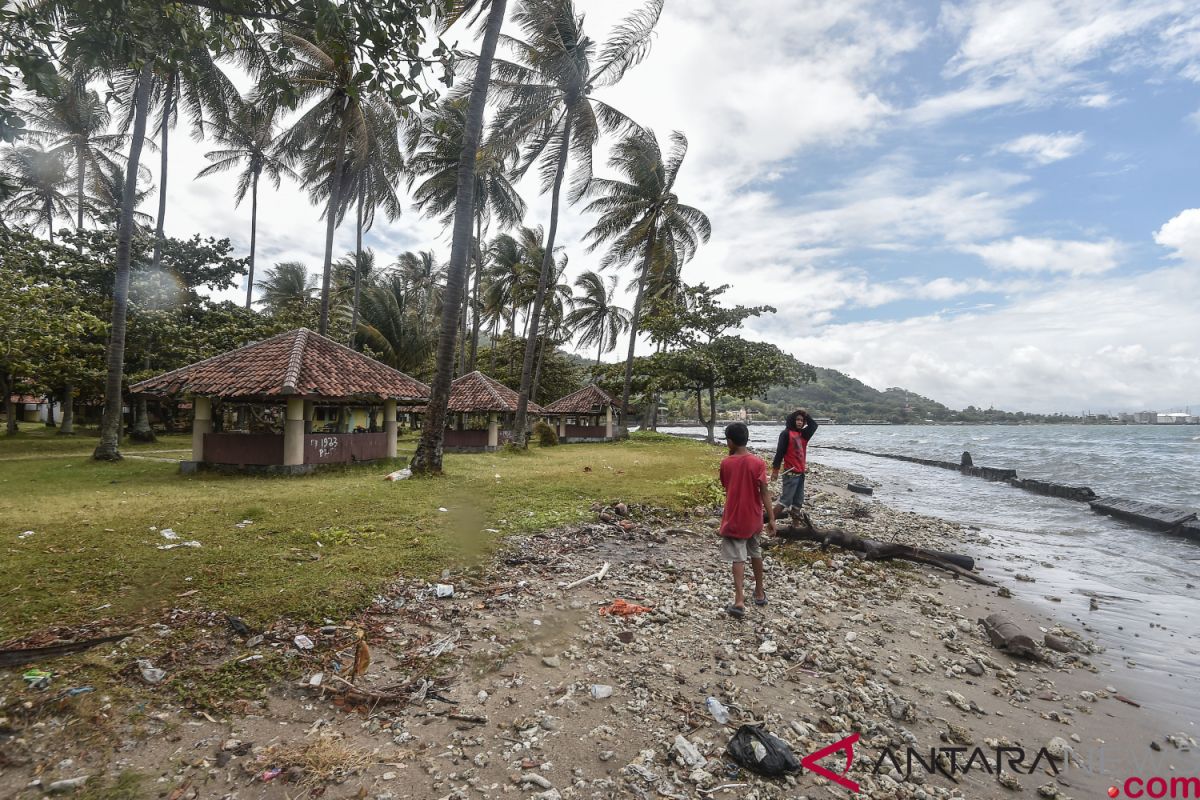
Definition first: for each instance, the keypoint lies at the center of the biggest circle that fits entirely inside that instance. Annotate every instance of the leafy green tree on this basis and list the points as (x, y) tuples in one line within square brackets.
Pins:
[(246, 138), (41, 177), (642, 221), (106, 188), (74, 122), (595, 318), (393, 326), (545, 102)]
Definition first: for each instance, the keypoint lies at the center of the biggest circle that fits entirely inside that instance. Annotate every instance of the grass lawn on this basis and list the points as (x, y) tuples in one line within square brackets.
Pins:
[(317, 545)]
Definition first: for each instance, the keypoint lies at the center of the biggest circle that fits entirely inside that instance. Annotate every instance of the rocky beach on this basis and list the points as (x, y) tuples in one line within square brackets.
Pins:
[(520, 677)]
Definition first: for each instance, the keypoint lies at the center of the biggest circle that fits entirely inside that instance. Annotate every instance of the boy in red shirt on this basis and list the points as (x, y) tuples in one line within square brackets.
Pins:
[(744, 476)]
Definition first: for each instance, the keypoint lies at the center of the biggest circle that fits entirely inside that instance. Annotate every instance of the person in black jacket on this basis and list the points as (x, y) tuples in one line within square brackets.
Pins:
[(792, 454)]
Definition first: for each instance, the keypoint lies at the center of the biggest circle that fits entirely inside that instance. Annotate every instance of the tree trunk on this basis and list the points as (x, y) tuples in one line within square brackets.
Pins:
[(253, 238), (633, 323), (67, 428), (335, 201), (712, 414), (600, 347), (168, 99), (80, 195), (535, 314), (358, 237), (49, 208), (110, 424), (142, 432), (428, 458), (461, 368), (475, 320), (537, 372), (10, 408)]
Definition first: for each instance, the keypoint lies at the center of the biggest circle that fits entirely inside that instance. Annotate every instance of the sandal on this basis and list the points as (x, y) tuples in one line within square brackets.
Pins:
[(761, 602), (737, 612)]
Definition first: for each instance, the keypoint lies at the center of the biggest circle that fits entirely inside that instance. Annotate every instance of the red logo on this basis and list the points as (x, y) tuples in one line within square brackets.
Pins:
[(1113, 791), (845, 745)]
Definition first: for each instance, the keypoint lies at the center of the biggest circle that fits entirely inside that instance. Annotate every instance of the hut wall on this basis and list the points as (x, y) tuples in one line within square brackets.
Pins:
[(259, 449), (343, 448)]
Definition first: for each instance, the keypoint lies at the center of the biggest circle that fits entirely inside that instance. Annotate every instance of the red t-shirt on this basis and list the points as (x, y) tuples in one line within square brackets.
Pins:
[(743, 478)]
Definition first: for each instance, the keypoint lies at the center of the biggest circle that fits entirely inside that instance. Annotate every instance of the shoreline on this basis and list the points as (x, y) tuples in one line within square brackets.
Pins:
[(496, 694)]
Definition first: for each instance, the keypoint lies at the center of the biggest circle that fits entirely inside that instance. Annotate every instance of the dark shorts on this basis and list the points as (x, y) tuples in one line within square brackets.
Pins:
[(793, 490)]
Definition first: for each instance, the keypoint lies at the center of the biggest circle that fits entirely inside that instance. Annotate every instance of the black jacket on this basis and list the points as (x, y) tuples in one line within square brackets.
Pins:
[(785, 439)]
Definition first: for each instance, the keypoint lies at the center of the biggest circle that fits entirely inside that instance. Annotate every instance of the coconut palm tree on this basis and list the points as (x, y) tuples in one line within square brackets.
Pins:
[(437, 145), (642, 221), (342, 118), (392, 326), (246, 138), (104, 199), (595, 318), (546, 103), (369, 179), (287, 285), (428, 457), (75, 122), (424, 281), (195, 82), (41, 176)]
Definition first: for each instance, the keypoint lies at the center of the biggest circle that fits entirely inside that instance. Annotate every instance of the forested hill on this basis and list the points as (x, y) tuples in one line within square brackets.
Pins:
[(845, 399)]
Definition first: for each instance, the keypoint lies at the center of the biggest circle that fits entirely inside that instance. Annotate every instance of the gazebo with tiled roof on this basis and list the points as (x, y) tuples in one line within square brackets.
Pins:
[(299, 370), (588, 415), (474, 395)]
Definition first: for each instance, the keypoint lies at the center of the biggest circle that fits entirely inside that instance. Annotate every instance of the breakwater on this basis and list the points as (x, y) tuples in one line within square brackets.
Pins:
[(1136, 512)]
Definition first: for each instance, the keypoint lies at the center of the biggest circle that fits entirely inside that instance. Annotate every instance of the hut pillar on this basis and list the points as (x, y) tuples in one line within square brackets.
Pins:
[(293, 433), (389, 426), (493, 431), (562, 426), (309, 409), (608, 422), (201, 424)]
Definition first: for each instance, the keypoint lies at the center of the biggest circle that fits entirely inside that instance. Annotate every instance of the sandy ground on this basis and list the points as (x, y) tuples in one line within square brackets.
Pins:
[(490, 692)]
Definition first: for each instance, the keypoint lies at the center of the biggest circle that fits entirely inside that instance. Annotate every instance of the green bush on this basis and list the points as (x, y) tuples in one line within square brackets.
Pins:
[(545, 435)]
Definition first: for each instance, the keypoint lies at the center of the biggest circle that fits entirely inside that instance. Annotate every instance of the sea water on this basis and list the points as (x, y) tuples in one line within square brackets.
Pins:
[(1146, 583)]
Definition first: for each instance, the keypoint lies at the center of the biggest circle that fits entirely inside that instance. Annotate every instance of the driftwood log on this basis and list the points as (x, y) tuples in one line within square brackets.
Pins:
[(1006, 635), (32, 655), (802, 529)]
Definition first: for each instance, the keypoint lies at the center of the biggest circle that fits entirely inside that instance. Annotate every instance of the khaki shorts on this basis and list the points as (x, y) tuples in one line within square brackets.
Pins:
[(735, 550)]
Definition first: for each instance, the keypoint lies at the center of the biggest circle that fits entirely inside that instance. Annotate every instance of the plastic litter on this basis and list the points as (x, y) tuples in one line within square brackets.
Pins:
[(37, 678), (269, 775), (621, 608), (757, 750), (316, 679), (167, 533), (443, 590), (600, 691), (25, 534), (191, 543), (399, 475), (687, 752), (303, 642), (78, 690), (150, 673), (719, 712)]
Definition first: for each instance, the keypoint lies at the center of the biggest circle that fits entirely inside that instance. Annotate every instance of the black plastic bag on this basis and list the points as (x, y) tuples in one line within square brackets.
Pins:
[(755, 749)]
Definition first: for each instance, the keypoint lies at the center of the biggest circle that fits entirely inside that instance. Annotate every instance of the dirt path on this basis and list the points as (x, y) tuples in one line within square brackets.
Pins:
[(489, 692)]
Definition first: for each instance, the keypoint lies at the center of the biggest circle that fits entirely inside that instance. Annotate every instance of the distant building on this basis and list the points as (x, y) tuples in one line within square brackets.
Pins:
[(1173, 418), (1146, 417)]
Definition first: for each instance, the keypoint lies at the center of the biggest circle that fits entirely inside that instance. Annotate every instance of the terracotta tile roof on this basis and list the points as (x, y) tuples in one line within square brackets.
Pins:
[(585, 401), (477, 392), (299, 363)]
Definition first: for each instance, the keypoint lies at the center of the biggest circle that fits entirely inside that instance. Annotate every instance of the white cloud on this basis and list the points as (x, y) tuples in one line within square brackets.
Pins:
[(1046, 148), (1030, 51), (1027, 254), (1182, 235), (1084, 344)]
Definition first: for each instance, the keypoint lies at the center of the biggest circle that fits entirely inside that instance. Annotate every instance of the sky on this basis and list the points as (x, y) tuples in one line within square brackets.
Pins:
[(988, 203)]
